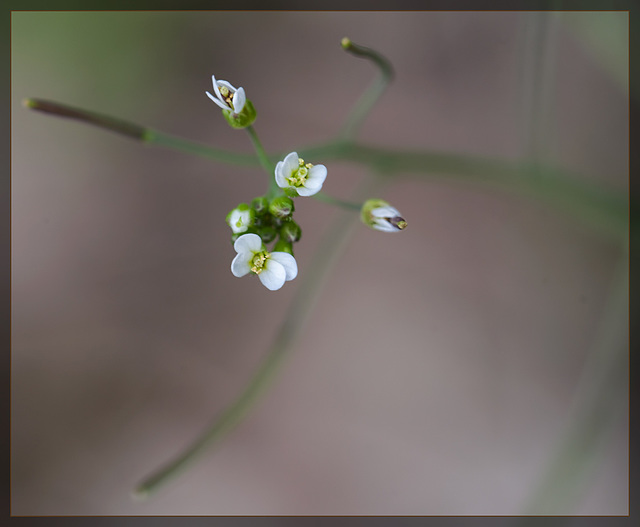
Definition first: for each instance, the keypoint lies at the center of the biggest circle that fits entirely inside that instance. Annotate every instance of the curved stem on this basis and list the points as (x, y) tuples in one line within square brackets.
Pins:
[(298, 313), (373, 93)]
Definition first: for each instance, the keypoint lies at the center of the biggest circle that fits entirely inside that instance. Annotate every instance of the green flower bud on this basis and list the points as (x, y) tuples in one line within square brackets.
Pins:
[(290, 232), (260, 204), (281, 207), (283, 246), (243, 119), (267, 233), (379, 215)]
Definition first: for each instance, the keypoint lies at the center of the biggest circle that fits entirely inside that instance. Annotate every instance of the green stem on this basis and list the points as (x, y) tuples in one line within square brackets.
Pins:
[(349, 205), (294, 323), (265, 162), (602, 208), (373, 93), (156, 138)]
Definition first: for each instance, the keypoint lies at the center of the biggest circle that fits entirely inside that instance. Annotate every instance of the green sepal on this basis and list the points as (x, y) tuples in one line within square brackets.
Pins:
[(369, 205), (291, 232), (283, 246), (243, 119), (291, 192)]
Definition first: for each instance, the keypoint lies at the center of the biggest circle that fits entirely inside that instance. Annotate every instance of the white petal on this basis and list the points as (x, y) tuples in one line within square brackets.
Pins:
[(280, 177), (222, 105), (215, 87), (304, 191), (241, 264), (316, 177), (290, 163), (228, 85), (239, 99), (384, 226), (385, 212), (288, 262), (239, 221), (248, 243), (273, 275)]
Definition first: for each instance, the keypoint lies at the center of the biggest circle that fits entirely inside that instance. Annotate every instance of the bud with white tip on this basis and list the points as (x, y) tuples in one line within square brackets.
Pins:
[(379, 215)]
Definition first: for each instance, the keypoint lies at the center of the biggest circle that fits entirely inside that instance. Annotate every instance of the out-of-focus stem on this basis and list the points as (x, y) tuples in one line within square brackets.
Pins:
[(112, 124), (368, 99), (294, 323), (264, 161), (348, 205)]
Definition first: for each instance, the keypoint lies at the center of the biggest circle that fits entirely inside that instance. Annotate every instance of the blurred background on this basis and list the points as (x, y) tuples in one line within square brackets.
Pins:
[(445, 368)]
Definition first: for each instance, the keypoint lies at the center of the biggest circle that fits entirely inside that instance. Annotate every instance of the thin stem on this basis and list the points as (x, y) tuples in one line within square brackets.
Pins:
[(538, 73), (373, 93), (139, 132), (264, 161), (294, 323), (112, 124), (348, 205), (156, 138), (602, 208)]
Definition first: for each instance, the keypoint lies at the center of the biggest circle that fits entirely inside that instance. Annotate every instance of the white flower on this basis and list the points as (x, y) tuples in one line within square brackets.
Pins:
[(227, 97), (239, 219), (273, 269), (379, 215), (306, 179), (387, 219)]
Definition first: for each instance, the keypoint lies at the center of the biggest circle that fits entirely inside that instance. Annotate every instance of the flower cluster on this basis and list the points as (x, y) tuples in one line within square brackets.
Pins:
[(270, 218), (265, 220)]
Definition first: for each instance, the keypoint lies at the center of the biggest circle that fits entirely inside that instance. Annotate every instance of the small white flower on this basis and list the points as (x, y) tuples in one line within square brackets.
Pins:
[(273, 269), (227, 97), (379, 215), (305, 178), (387, 219), (239, 220)]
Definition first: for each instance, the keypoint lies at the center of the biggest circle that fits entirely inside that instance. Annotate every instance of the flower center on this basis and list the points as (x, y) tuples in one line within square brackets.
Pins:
[(226, 95), (299, 176), (258, 261)]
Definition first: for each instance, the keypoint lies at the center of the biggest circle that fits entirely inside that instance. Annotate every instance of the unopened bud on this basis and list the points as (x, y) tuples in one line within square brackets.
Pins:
[(290, 232), (379, 215), (260, 205), (281, 207), (267, 233)]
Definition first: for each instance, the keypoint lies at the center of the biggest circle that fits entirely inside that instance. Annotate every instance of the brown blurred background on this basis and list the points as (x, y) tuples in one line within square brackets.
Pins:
[(442, 367)]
